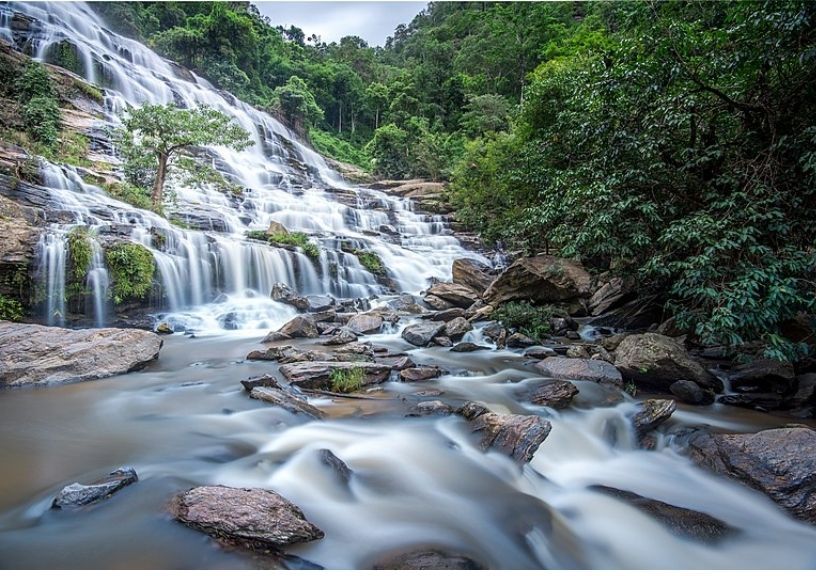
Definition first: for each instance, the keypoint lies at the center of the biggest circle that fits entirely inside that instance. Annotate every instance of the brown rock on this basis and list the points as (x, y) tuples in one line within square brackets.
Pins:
[(517, 436), (457, 328), (286, 400), (657, 361), (457, 295), (651, 414), (422, 333), (317, 375), (540, 279), (427, 559), (365, 323), (420, 373), (472, 273), (302, 326), (556, 394)]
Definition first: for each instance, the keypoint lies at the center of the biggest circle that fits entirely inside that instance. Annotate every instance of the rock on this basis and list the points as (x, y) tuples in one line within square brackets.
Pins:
[(436, 303), (320, 303), (472, 274), (612, 293), (276, 336), (282, 293), (420, 373), (476, 313), (45, 356), (680, 521), (255, 381), (656, 362), (457, 328), (290, 354), (519, 340), (573, 335), (690, 393), (805, 391), (763, 375), (344, 336), (276, 228), (651, 414), (556, 394), (781, 462), (611, 343), (365, 323), (286, 400), (426, 559), (359, 348), (318, 375), (164, 328), (496, 333), (517, 436), (251, 515), (580, 369), (328, 458), (639, 314), (762, 401), (468, 347), (302, 326), (446, 315), (455, 294), (431, 407), (443, 341), (407, 304), (403, 363), (539, 352), (541, 280), (562, 325), (77, 495), (422, 333)]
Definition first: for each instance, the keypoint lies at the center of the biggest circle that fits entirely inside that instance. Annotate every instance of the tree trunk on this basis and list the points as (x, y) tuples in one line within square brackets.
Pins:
[(377, 119), (158, 185)]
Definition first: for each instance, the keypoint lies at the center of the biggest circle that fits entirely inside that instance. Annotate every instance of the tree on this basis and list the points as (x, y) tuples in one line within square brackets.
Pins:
[(296, 104), (153, 137)]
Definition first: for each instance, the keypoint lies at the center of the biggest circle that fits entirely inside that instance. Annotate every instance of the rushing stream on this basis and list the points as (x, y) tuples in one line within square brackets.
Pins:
[(186, 420)]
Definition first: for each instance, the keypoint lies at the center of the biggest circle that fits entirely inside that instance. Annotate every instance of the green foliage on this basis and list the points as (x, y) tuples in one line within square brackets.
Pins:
[(534, 321), (130, 194), (79, 260), (390, 150), (65, 55), (296, 104), (485, 113), (41, 111), (371, 262), (330, 145), (347, 380), (290, 239), (10, 309), (131, 268)]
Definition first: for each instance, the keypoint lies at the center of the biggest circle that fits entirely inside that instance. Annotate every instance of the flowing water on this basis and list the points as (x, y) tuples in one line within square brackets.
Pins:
[(186, 421)]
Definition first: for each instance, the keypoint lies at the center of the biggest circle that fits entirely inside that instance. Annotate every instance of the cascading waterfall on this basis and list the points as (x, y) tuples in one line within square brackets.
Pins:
[(51, 255), (211, 270), (98, 282)]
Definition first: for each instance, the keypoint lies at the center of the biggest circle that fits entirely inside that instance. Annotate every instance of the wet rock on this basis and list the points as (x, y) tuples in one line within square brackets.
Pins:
[(406, 304), (680, 521), (360, 348), (276, 336), (639, 314), (580, 369), (403, 363), (320, 303), (476, 312), (365, 323), (562, 325), (496, 333), (780, 462), (457, 328), (436, 303), (573, 335), (446, 315), (41, 355), (472, 274), (344, 336), (78, 495), (541, 280), (328, 315), (610, 294), (420, 373), (286, 400), (422, 333), (762, 401), (426, 559), (539, 352), (611, 343), (328, 458), (651, 414), (318, 375), (164, 328), (455, 294), (255, 381), (763, 375), (656, 361), (303, 326), (468, 347), (259, 517), (805, 391), (431, 408), (290, 354), (517, 436), (519, 340), (556, 394), (443, 341), (282, 293), (690, 393)]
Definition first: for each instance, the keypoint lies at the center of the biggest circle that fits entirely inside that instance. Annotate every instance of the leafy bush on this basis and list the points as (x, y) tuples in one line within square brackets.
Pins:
[(293, 239), (40, 105), (129, 193), (347, 380), (10, 309), (370, 261), (534, 321), (131, 267), (80, 255), (330, 145)]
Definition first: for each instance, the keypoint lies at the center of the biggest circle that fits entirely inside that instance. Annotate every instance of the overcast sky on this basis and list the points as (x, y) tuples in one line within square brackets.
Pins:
[(371, 21)]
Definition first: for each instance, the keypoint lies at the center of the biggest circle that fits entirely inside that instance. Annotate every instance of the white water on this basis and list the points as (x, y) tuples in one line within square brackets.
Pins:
[(208, 273)]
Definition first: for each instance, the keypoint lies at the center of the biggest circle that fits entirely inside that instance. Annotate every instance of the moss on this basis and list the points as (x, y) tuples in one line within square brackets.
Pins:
[(344, 381), (80, 254), (292, 239), (370, 261), (131, 268), (10, 309), (65, 55), (89, 90)]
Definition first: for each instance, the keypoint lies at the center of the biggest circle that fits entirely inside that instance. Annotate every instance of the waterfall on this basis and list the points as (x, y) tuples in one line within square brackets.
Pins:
[(51, 256), (98, 282), (207, 267)]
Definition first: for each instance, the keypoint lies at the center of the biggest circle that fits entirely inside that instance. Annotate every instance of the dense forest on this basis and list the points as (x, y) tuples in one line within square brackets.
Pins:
[(672, 140)]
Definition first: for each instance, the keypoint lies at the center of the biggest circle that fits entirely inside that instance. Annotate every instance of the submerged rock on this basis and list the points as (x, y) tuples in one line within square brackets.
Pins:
[(657, 361), (77, 495), (517, 436), (426, 559), (651, 414), (42, 355), (318, 375), (286, 400), (257, 516), (556, 394), (468, 347), (328, 458), (422, 333), (580, 369)]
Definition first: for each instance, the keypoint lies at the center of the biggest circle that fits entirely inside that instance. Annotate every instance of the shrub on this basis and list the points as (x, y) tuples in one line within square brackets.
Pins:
[(10, 309), (131, 268), (292, 239), (370, 261), (80, 255), (127, 192), (330, 145), (534, 321), (345, 380)]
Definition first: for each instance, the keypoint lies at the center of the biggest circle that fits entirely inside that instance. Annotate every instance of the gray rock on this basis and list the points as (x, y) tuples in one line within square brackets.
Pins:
[(78, 495), (282, 293), (442, 341), (468, 347), (365, 323), (422, 333), (764, 375), (517, 436), (436, 303), (519, 340), (426, 559), (580, 369), (320, 303), (252, 515), (446, 315), (539, 352), (318, 375), (303, 326), (556, 394), (420, 373), (656, 361), (286, 400), (328, 458), (276, 336), (651, 414), (430, 408), (255, 381), (41, 355), (344, 336), (457, 328), (609, 295), (690, 393), (805, 391)]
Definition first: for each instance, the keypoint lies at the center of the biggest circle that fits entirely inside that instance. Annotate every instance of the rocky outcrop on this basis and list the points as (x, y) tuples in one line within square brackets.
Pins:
[(780, 462), (610, 294), (541, 280), (657, 361), (456, 295), (78, 495), (318, 375), (764, 375), (18, 245), (302, 326), (422, 333), (252, 515), (580, 369), (556, 394), (517, 436), (472, 274), (426, 559), (41, 355)]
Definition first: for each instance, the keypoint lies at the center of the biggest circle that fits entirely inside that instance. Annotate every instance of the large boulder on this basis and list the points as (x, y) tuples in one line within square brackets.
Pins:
[(457, 328), (780, 462), (651, 414), (456, 295), (365, 323), (556, 394), (542, 280), (318, 375), (580, 369), (251, 515), (41, 355), (517, 436), (472, 273), (422, 333), (78, 495), (302, 326), (282, 293), (765, 375), (657, 361), (610, 294)]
